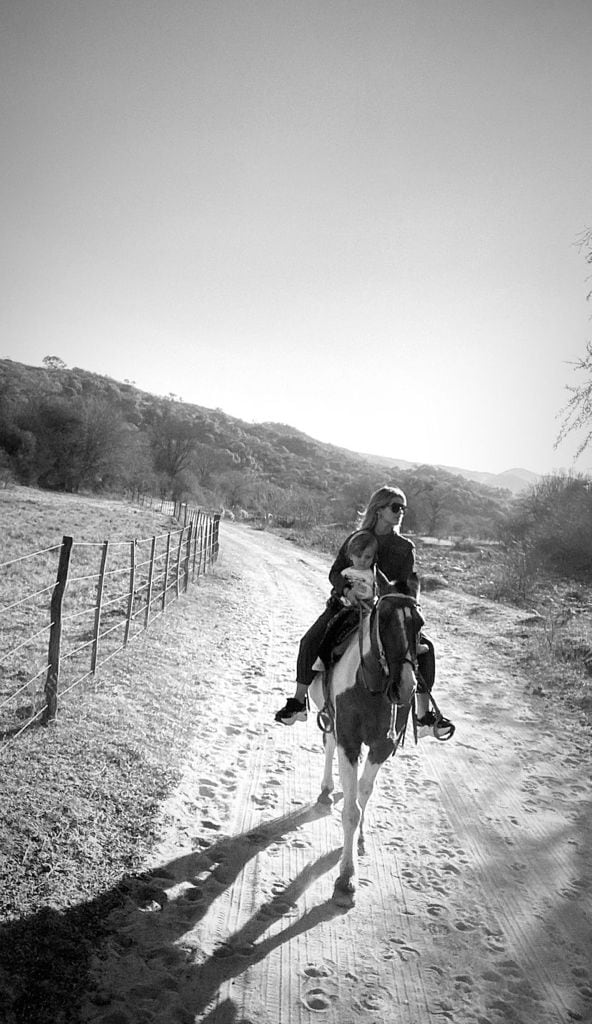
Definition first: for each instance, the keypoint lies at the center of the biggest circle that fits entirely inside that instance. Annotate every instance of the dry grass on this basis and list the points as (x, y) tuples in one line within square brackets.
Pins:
[(100, 566), (80, 797), (556, 615)]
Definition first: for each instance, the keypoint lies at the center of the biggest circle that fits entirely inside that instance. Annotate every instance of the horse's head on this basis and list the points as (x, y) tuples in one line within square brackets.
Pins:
[(394, 627)]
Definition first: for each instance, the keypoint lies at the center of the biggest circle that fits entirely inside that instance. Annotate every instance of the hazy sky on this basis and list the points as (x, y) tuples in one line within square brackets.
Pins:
[(357, 217)]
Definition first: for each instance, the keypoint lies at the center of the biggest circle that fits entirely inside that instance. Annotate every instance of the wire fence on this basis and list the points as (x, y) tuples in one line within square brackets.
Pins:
[(59, 626)]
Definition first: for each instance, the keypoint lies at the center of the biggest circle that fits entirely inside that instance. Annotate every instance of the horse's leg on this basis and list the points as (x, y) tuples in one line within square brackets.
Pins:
[(365, 787), (317, 696), (350, 817), (327, 784)]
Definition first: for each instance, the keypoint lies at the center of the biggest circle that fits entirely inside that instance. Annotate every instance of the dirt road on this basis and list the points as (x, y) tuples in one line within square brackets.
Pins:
[(475, 897)]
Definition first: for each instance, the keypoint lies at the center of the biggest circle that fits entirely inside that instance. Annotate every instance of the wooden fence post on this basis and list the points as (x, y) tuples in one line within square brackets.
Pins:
[(99, 608), (215, 537), (178, 568), (187, 557), (167, 560), (132, 588), (199, 541), (150, 584), (204, 544), (55, 632)]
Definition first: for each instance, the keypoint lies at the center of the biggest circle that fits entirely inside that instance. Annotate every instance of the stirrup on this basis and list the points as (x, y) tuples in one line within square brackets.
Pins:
[(442, 729)]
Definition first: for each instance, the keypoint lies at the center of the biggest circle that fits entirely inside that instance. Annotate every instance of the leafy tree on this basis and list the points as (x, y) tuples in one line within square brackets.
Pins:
[(58, 428), (173, 444), (54, 363), (138, 474), (207, 461), (67, 443), (102, 447)]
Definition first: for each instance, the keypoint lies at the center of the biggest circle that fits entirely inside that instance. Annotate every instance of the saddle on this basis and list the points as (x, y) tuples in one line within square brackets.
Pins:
[(337, 634)]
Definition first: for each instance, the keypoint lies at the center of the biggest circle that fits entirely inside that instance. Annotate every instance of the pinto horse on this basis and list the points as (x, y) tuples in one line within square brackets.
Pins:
[(366, 699)]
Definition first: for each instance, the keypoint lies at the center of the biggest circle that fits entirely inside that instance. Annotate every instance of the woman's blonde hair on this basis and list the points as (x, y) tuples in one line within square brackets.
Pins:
[(380, 499)]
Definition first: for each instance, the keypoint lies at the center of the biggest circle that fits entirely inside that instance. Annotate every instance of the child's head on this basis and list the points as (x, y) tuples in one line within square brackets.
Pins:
[(361, 549)]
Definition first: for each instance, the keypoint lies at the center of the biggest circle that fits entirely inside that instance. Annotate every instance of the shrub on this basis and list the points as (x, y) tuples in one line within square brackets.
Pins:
[(552, 524)]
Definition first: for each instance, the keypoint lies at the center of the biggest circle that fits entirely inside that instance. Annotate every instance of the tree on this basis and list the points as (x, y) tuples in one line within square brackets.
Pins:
[(53, 363), (577, 412), (173, 444), (79, 443)]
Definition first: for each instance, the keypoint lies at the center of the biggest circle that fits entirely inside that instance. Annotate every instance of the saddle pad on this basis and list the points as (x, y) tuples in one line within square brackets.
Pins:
[(337, 635)]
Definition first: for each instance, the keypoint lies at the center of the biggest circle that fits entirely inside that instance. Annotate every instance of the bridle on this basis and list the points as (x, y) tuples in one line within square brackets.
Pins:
[(410, 613), (411, 624)]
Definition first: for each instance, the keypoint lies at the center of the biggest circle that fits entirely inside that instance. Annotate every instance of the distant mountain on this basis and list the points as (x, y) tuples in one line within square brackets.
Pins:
[(513, 480)]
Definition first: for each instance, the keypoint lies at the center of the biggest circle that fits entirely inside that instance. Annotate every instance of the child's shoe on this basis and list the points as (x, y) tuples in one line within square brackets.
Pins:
[(293, 711)]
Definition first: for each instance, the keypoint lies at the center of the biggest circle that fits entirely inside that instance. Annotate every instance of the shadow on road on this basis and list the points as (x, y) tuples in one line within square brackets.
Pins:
[(46, 958)]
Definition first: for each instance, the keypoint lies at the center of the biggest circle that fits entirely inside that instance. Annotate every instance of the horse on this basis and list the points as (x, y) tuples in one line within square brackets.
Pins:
[(366, 698)]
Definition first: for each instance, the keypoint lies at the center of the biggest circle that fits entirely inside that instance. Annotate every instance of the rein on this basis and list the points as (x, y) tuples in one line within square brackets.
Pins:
[(399, 712), (410, 655)]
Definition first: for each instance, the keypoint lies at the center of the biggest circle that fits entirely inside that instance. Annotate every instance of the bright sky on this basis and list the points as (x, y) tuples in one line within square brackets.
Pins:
[(357, 217)]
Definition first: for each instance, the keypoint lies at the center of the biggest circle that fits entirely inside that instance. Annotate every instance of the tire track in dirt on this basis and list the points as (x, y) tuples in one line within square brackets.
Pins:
[(474, 892)]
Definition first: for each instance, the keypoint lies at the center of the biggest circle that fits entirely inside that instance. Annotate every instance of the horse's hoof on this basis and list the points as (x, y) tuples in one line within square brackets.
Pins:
[(344, 893), (325, 798)]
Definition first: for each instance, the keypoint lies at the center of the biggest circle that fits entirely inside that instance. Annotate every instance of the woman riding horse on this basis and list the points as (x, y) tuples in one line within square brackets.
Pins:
[(395, 560)]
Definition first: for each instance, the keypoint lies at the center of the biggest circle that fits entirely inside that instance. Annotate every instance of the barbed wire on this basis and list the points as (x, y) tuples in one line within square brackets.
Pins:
[(147, 596)]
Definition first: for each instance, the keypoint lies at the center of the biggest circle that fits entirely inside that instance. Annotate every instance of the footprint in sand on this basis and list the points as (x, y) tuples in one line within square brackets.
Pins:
[(319, 999), (465, 926), (378, 1000), (193, 894), (278, 908), (227, 949), (450, 869), (215, 826), (404, 951), (318, 971)]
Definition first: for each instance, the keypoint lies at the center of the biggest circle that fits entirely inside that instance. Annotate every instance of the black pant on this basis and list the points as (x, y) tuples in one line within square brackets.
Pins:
[(310, 645), (427, 663)]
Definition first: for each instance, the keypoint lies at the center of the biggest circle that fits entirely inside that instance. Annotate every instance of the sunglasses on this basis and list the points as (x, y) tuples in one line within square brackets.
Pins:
[(396, 508)]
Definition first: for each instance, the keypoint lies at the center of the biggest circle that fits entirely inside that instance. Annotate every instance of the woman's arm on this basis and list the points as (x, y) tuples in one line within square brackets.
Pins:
[(337, 581)]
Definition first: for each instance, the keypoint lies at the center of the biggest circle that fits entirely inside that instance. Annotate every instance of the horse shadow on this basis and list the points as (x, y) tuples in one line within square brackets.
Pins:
[(47, 958)]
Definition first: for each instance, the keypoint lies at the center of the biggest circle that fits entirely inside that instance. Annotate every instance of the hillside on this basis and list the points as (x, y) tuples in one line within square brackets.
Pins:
[(514, 480), (71, 430)]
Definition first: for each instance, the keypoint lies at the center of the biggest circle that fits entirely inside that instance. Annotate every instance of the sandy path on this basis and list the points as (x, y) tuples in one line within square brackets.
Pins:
[(474, 904)]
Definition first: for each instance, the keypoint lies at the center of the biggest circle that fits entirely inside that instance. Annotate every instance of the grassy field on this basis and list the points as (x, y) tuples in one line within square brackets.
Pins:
[(80, 797), (130, 561)]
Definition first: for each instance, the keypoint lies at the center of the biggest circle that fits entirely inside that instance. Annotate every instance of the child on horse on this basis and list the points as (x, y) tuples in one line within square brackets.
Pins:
[(360, 578), (393, 562)]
